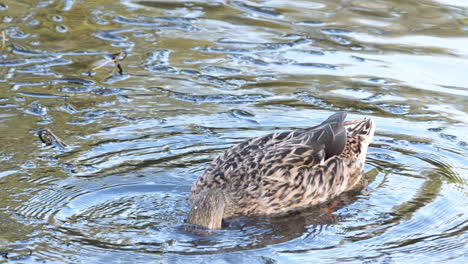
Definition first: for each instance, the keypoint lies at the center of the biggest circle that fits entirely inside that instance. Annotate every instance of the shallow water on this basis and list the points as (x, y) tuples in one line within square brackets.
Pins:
[(203, 75)]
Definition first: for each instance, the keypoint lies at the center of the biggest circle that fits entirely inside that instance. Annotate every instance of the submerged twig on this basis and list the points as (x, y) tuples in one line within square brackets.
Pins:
[(49, 138), (115, 58)]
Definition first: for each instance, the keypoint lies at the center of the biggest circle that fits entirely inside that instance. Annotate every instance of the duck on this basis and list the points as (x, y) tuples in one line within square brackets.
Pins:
[(282, 172)]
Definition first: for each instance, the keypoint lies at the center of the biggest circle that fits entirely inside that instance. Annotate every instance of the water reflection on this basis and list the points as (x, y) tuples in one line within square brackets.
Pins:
[(203, 75)]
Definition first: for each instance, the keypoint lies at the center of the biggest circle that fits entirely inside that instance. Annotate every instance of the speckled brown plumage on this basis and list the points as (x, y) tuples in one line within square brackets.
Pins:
[(281, 172)]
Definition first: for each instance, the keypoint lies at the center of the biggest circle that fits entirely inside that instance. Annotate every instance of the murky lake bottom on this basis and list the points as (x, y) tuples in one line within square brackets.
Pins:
[(200, 76)]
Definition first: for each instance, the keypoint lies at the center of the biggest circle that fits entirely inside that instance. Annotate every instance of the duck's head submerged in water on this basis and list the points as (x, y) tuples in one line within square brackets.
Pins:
[(282, 172)]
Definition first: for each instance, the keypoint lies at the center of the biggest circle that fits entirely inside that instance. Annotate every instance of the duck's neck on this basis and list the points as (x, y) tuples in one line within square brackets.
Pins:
[(207, 209)]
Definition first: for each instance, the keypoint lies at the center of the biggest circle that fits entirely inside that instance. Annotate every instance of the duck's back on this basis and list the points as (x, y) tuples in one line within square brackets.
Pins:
[(280, 172)]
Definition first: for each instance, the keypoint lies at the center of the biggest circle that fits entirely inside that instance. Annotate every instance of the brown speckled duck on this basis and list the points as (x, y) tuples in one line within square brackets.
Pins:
[(282, 172)]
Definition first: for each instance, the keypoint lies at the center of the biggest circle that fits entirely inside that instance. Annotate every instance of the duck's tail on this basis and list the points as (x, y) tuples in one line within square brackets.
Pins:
[(362, 131), (207, 209)]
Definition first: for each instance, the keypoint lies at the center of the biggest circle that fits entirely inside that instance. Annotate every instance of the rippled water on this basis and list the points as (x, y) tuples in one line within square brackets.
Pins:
[(203, 75)]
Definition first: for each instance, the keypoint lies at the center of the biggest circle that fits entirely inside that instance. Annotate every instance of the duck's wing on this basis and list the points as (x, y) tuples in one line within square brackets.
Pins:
[(262, 156), (233, 165), (305, 148), (330, 135)]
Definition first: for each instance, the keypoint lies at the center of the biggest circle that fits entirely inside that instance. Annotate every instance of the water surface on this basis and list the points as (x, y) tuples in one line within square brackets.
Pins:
[(201, 76)]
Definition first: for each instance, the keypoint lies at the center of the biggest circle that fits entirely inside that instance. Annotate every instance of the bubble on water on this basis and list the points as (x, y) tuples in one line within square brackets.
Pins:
[(7, 19), (61, 29), (33, 22), (16, 33), (57, 18)]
